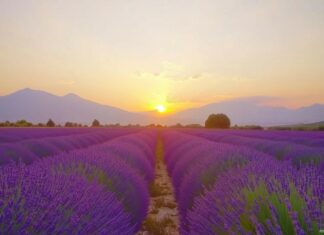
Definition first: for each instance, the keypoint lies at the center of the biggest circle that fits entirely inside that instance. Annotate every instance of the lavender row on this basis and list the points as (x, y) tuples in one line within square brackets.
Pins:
[(33, 201), (195, 163), (264, 197), (221, 189), (31, 150), (298, 154), (308, 138), (18, 134), (95, 191)]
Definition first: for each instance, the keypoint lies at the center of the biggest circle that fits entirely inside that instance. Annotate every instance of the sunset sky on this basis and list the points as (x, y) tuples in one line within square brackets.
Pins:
[(139, 54)]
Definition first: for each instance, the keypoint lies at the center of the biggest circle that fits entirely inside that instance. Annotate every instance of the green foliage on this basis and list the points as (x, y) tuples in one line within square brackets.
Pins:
[(73, 124), (95, 123), (320, 128), (178, 125), (220, 120), (193, 126), (317, 126), (248, 127), (23, 123), (261, 199), (50, 123), (19, 123)]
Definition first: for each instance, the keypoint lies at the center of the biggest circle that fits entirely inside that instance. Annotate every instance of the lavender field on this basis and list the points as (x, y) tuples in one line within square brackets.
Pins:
[(106, 181), (180, 117), (247, 182)]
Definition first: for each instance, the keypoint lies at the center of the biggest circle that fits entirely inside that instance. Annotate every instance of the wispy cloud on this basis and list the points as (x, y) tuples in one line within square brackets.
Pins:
[(172, 71)]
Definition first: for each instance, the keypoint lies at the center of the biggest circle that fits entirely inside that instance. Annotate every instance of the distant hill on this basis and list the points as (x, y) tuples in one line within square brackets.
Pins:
[(249, 111), (38, 106)]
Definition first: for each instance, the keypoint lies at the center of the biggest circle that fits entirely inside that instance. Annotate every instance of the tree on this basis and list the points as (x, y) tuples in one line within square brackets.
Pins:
[(23, 123), (193, 125), (178, 125), (218, 121), (95, 123), (320, 128), (50, 123), (68, 124)]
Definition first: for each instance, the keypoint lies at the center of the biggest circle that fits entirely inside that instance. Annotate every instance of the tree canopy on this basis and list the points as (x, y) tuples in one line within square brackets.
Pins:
[(220, 120), (95, 123), (50, 123)]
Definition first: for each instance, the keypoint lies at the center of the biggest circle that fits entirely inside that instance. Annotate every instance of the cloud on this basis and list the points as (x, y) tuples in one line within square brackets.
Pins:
[(173, 72)]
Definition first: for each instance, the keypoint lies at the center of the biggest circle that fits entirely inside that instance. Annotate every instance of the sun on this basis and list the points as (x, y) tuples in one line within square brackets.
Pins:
[(160, 108)]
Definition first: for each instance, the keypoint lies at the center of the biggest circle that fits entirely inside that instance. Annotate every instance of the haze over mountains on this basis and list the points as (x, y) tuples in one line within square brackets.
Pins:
[(248, 111), (38, 106)]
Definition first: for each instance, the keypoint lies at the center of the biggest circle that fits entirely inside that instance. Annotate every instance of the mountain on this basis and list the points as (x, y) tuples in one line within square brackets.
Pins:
[(38, 106), (250, 111)]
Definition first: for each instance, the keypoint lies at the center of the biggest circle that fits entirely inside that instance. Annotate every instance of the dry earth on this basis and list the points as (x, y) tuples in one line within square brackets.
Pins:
[(163, 217)]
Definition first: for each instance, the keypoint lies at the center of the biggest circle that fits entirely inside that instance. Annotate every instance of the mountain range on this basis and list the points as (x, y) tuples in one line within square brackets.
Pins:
[(249, 111), (38, 106)]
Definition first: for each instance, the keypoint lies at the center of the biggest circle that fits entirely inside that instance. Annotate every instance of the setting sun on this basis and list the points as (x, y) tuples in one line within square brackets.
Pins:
[(160, 108)]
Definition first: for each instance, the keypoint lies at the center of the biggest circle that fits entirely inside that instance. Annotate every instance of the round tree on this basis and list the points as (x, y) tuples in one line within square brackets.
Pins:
[(95, 123), (220, 120)]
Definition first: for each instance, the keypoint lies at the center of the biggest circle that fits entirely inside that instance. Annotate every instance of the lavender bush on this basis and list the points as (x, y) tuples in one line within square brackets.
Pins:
[(102, 189), (223, 188)]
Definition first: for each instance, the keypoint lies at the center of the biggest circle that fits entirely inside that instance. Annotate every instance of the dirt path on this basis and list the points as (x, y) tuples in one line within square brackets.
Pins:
[(162, 218)]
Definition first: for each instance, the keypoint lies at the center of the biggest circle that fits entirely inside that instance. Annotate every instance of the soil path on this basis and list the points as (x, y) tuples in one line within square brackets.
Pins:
[(162, 218)]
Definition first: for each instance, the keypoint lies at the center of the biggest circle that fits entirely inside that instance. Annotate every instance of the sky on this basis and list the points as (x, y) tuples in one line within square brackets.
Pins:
[(139, 54)]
